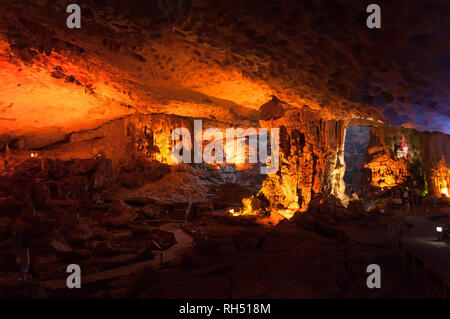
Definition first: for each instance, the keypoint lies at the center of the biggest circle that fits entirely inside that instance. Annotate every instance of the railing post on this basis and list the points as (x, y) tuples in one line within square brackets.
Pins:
[(161, 251), (404, 256), (444, 284), (396, 246)]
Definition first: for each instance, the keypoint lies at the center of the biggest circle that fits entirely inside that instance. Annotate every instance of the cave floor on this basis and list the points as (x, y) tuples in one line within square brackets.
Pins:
[(235, 257), (224, 256)]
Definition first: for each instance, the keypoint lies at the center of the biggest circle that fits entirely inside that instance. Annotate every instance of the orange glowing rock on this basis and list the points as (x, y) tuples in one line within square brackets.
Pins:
[(444, 191), (440, 178), (387, 171)]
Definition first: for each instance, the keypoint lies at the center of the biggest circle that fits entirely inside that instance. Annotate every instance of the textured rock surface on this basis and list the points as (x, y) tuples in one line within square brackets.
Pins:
[(386, 169), (116, 88), (223, 60), (311, 160), (63, 212), (427, 162)]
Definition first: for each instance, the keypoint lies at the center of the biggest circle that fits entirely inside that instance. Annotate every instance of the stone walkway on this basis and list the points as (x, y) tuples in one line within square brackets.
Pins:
[(423, 238)]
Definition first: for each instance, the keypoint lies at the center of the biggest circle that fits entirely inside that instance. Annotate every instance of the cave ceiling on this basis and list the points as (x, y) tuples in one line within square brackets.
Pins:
[(222, 60)]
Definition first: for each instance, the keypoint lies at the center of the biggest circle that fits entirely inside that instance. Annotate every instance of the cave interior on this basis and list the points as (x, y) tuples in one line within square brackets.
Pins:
[(87, 119)]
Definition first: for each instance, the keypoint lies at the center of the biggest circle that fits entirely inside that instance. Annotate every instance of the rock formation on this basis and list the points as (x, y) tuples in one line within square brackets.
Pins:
[(426, 164)]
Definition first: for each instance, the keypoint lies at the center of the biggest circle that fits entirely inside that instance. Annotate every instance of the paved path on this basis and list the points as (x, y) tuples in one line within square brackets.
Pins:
[(423, 238)]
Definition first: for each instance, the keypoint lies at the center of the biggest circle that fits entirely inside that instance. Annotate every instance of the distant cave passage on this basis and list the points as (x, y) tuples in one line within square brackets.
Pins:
[(356, 141)]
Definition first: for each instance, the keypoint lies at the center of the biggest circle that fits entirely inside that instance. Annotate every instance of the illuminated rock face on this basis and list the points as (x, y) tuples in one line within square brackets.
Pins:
[(427, 164), (311, 160), (129, 138), (386, 169), (138, 69), (440, 179), (221, 60), (311, 151)]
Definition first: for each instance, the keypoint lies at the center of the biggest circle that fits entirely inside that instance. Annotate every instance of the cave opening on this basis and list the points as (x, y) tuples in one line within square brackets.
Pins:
[(356, 141)]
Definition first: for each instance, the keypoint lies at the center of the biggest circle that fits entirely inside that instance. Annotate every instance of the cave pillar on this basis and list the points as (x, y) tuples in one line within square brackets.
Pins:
[(311, 160), (333, 181)]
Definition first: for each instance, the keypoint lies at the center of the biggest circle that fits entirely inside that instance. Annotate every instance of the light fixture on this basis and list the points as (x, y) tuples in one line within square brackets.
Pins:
[(439, 231)]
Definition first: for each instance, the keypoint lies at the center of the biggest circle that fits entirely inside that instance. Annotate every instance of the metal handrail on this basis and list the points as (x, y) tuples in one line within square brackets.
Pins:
[(397, 243)]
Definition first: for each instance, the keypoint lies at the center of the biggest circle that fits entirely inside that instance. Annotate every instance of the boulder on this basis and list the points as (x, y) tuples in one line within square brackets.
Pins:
[(78, 232), (60, 246), (138, 172), (119, 214), (150, 211), (141, 229)]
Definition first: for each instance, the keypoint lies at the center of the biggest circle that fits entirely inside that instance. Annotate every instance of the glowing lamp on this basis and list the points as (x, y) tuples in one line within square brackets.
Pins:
[(233, 212), (33, 154), (439, 231)]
